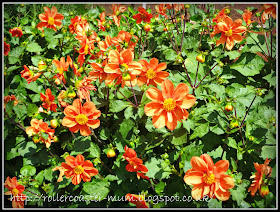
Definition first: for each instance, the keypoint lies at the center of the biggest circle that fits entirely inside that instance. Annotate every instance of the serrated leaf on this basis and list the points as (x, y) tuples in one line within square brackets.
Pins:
[(179, 137), (28, 170), (34, 47), (118, 105), (200, 131)]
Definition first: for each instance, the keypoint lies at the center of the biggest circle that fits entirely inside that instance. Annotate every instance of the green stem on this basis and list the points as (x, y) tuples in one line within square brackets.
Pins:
[(247, 112)]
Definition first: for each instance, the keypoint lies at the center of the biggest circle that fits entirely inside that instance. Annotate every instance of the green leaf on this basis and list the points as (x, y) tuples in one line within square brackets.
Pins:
[(13, 60), (200, 131), (94, 150), (97, 189), (268, 152), (32, 108), (231, 142), (28, 170), (170, 54), (40, 177), (239, 194), (179, 137), (33, 47), (20, 110), (126, 126), (214, 203), (248, 64), (118, 105), (17, 51), (84, 144), (232, 54), (155, 169)]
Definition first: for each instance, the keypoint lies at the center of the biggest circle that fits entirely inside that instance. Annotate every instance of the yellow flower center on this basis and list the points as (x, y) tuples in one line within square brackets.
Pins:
[(209, 178), (15, 192), (51, 21), (86, 49), (43, 131), (133, 164), (81, 119), (78, 169), (150, 74), (47, 101), (126, 76), (124, 66), (60, 70), (169, 104), (228, 33)]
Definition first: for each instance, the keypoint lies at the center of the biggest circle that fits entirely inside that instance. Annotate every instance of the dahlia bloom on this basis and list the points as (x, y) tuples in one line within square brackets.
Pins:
[(78, 169), (6, 48), (152, 72), (48, 100), (138, 200), (10, 98), (86, 46), (269, 9), (102, 21), (16, 32), (209, 179), (16, 190), (230, 31), (263, 171), (124, 40), (98, 71), (61, 172), (84, 86), (161, 10), (61, 66), (117, 13), (38, 127), (247, 15), (169, 105), (122, 68), (78, 20), (143, 15), (29, 75), (78, 117), (50, 19), (62, 95)]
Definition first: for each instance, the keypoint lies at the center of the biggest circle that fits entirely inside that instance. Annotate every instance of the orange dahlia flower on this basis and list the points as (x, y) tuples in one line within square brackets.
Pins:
[(247, 15), (16, 32), (29, 75), (50, 19), (129, 153), (102, 21), (98, 71), (177, 7), (104, 45), (230, 31), (10, 98), (152, 72), (125, 40), (209, 179), (86, 46), (263, 171), (81, 118), (78, 20), (138, 200), (161, 10), (122, 68), (169, 105), (269, 9), (220, 16), (62, 95), (48, 100), (16, 190), (117, 13), (6, 48), (61, 66), (78, 169), (143, 15), (40, 128), (84, 86)]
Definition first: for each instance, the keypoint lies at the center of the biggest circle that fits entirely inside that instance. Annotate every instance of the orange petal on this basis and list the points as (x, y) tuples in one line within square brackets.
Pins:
[(237, 38), (198, 164), (159, 120), (93, 123), (222, 40), (84, 130), (88, 108), (221, 195), (79, 159), (127, 56), (221, 166), (197, 192), (152, 108), (229, 43), (187, 102), (171, 125), (208, 160), (68, 121), (77, 105), (167, 89), (70, 160), (226, 182), (154, 94), (153, 63), (180, 92), (193, 178), (71, 111)]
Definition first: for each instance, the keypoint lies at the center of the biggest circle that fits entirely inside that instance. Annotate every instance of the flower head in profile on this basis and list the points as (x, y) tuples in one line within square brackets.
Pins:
[(152, 73), (50, 19), (122, 68), (247, 15), (143, 15), (230, 31), (161, 9), (9, 98), (124, 40), (208, 178), (16, 32), (6, 48), (61, 172), (169, 105), (16, 190), (117, 13), (61, 66), (61, 96), (84, 86), (48, 100), (269, 10), (29, 74), (41, 131), (138, 200), (260, 177), (78, 117), (78, 169), (102, 22)]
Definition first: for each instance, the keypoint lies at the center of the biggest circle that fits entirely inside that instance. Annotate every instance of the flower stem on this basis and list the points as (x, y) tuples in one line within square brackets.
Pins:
[(103, 164), (175, 49), (185, 19), (225, 113), (176, 23), (196, 74), (136, 102), (15, 123), (51, 83), (100, 176), (143, 45), (188, 75), (126, 97), (247, 112), (206, 75), (242, 138)]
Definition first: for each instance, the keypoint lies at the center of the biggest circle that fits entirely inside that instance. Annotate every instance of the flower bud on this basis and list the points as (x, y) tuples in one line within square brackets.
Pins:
[(228, 107), (42, 65), (264, 191), (111, 153), (187, 6), (200, 58), (147, 27), (233, 124), (36, 139), (227, 11), (71, 94), (258, 14), (54, 123), (251, 138), (165, 156)]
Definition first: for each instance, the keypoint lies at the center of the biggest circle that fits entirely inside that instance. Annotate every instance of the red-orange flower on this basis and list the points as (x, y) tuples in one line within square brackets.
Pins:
[(143, 15), (78, 20), (247, 17), (98, 71), (16, 32), (230, 31), (177, 7), (263, 171), (129, 153), (161, 10), (138, 200), (209, 179), (29, 75), (269, 9), (81, 118), (169, 105), (48, 100), (220, 16), (125, 40), (9, 98), (152, 72), (50, 19), (61, 67), (86, 46), (122, 68), (61, 172), (84, 86), (102, 21), (62, 95), (6, 48), (78, 169), (40, 128), (117, 13), (16, 190)]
